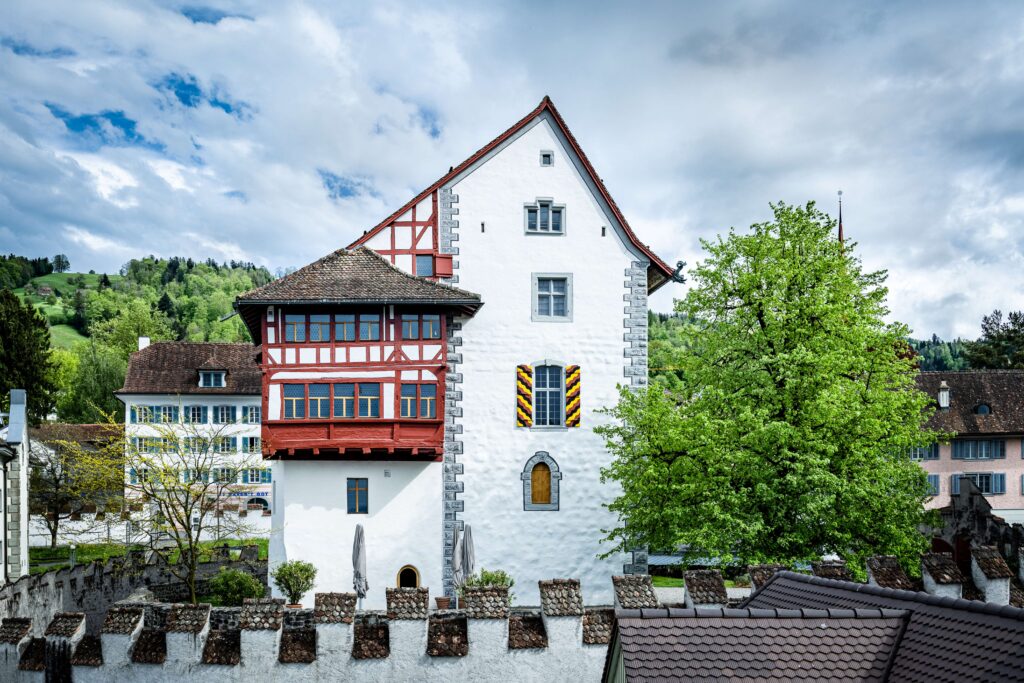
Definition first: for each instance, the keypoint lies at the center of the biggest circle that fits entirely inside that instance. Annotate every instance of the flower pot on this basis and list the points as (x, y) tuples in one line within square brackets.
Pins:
[(297, 606), (443, 602)]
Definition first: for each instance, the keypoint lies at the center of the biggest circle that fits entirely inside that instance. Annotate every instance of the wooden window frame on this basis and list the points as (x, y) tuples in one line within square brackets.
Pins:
[(359, 400), (366, 498), (378, 326), (323, 327), (341, 326), (351, 399), (295, 325), (293, 401), (321, 402)]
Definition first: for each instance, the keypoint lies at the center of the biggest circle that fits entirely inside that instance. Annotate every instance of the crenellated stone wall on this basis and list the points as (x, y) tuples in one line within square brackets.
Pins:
[(264, 641), (93, 588)]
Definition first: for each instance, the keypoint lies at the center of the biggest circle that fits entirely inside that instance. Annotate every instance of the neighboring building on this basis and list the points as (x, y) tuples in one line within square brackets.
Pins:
[(448, 368), (205, 391), (808, 628), (984, 410), (14, 474)]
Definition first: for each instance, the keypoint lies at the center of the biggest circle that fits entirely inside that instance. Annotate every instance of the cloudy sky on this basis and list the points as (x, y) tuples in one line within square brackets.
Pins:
[(275, 132)]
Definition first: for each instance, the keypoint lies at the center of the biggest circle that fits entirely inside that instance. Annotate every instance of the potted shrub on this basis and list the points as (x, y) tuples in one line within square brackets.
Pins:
[(489, 578), (294, 578), (230, 587)]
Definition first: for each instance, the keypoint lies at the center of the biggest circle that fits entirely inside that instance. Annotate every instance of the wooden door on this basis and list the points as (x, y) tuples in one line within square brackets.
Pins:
[(540, 484)]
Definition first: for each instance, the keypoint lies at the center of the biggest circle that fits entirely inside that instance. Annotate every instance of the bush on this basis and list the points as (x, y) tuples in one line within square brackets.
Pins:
[(294, 578), (231, 586), (498, 577)]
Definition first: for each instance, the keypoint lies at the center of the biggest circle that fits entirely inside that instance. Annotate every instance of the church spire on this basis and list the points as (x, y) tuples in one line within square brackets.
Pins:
[(840, 216)]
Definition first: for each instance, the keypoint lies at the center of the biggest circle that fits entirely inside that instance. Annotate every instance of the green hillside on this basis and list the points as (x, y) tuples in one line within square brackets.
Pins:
[(58, 306)]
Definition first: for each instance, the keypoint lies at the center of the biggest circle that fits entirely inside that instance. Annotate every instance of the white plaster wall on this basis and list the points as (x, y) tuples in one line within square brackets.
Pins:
[(943, 590), (670, 595), (498, 264), (996, 591), (403, 524)]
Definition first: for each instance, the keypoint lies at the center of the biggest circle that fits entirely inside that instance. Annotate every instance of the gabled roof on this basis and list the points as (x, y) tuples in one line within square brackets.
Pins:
[(660, 268), (351, 276), (999, 389), (755, 644), (946, 639), (173, 368)]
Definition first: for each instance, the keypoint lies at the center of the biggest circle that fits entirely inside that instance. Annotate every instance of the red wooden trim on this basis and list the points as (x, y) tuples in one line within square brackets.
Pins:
[(545, 105)]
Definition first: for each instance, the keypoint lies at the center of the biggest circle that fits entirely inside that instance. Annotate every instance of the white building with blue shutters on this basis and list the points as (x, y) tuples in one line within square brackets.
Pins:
[(205, 391)]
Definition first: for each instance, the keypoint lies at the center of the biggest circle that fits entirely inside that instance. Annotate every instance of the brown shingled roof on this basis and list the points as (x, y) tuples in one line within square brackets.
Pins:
[(999, 389), (991, 563), (173, 368)]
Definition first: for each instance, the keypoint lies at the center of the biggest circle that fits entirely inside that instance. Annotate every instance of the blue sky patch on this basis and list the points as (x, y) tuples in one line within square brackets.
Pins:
[(107, 127), (237, 194), (342, 187), (429, 120), (209, 15), (24, 49), (185, 88)]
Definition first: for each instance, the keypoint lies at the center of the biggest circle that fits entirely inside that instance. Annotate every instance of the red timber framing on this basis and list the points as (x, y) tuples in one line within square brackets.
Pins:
[(413, 233), (388, 361)]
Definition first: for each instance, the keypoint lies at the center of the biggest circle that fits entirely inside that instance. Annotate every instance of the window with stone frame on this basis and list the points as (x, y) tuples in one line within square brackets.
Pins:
[(541, 480), (548, 404), (544, 217)]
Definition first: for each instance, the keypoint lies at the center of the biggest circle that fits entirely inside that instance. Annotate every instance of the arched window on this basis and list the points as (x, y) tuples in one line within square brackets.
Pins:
[(982, 409), (408, 577), (541, 479)]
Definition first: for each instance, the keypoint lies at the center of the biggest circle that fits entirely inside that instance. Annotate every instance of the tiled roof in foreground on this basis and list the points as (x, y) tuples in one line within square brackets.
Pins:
[(945, 639), (756, 645)]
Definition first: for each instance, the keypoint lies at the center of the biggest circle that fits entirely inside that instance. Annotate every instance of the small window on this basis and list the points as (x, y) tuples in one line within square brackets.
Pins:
[(933, 484), (225, 444), (294, 401), (195, 414), (425, 265), (295, 328), (547, 158), (344, 400), (925, 452), (545, 218), (369, 327), (431, 327), (319, 400), (344, 328), (979, 449), (552, 300), (251, 414), (223, 415), (982, 409), (410, 327), (251, 444), (408, 577), (428, 400), (319, 328), (357, 496), (541, 479), (211, 379), (369, 400), (409, 408)]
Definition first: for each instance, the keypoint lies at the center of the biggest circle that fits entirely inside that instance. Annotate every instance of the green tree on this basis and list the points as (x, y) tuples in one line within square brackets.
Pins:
[(135, 319), (788, 436), (1001, 345), (61, 264), (87, 395), (25, 361)]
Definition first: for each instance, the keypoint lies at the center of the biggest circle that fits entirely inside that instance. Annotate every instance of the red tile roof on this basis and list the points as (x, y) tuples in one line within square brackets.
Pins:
[(546, 105)]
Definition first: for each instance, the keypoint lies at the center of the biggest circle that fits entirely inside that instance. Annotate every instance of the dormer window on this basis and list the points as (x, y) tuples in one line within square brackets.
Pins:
[(211, 378), (982, 409)]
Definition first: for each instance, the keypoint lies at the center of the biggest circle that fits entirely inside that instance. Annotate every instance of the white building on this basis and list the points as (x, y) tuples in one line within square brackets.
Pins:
[(453, 375), (14, 475), (190, 390)]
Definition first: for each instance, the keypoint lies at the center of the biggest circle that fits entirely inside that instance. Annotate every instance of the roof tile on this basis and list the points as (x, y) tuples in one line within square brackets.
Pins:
[(173, 368)]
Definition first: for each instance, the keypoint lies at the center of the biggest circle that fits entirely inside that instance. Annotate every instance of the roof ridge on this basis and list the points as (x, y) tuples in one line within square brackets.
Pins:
[(760, 613), (410, 276), (921, 597), (287, 276), (974, 371)]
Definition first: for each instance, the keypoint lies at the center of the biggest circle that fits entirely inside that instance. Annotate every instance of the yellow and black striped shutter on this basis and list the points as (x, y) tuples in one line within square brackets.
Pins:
[(524, 396), (572, 396)]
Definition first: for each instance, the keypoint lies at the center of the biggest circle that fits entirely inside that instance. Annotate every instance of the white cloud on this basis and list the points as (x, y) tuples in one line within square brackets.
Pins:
[(95, 243)]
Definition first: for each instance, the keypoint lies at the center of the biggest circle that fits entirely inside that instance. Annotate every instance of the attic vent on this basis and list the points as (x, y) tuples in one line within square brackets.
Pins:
[(547, 158), (982, 409)]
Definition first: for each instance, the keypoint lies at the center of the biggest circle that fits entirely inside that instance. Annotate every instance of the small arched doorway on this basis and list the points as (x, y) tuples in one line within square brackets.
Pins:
[(408, 577)]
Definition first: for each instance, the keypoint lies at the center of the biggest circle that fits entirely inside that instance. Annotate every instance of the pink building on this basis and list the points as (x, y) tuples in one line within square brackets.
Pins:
[(984, 410)]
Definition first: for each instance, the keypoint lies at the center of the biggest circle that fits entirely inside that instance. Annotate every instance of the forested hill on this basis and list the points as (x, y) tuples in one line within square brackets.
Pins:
[(96, 319)]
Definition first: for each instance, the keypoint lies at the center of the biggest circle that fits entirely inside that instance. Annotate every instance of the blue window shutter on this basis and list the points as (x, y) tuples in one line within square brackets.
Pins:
[(265, 476), (135, 417), (933, 482), (933, 452), (133, 476), (234, 413), (998, 482), (1000, 449), (234, 444), (174, 414), (245, 413), (245, 476), (206, 414), (955, 483)]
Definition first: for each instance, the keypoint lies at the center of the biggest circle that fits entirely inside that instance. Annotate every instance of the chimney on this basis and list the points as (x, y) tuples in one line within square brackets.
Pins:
[(991, 574), (17, 419), (143, 342), (941, 576), (943, 395)]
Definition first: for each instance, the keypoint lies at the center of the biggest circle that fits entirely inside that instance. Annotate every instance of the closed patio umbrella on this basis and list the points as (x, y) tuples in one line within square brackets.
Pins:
[(359, 582)]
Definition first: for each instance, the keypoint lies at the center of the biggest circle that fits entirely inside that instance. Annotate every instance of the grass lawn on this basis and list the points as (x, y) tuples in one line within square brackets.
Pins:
[(65, 336), (667, 582), (43, 559)]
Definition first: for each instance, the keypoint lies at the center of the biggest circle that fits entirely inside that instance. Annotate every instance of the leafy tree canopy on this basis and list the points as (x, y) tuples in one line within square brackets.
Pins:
[(25, 361), (1001, 345), (787, 435)]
